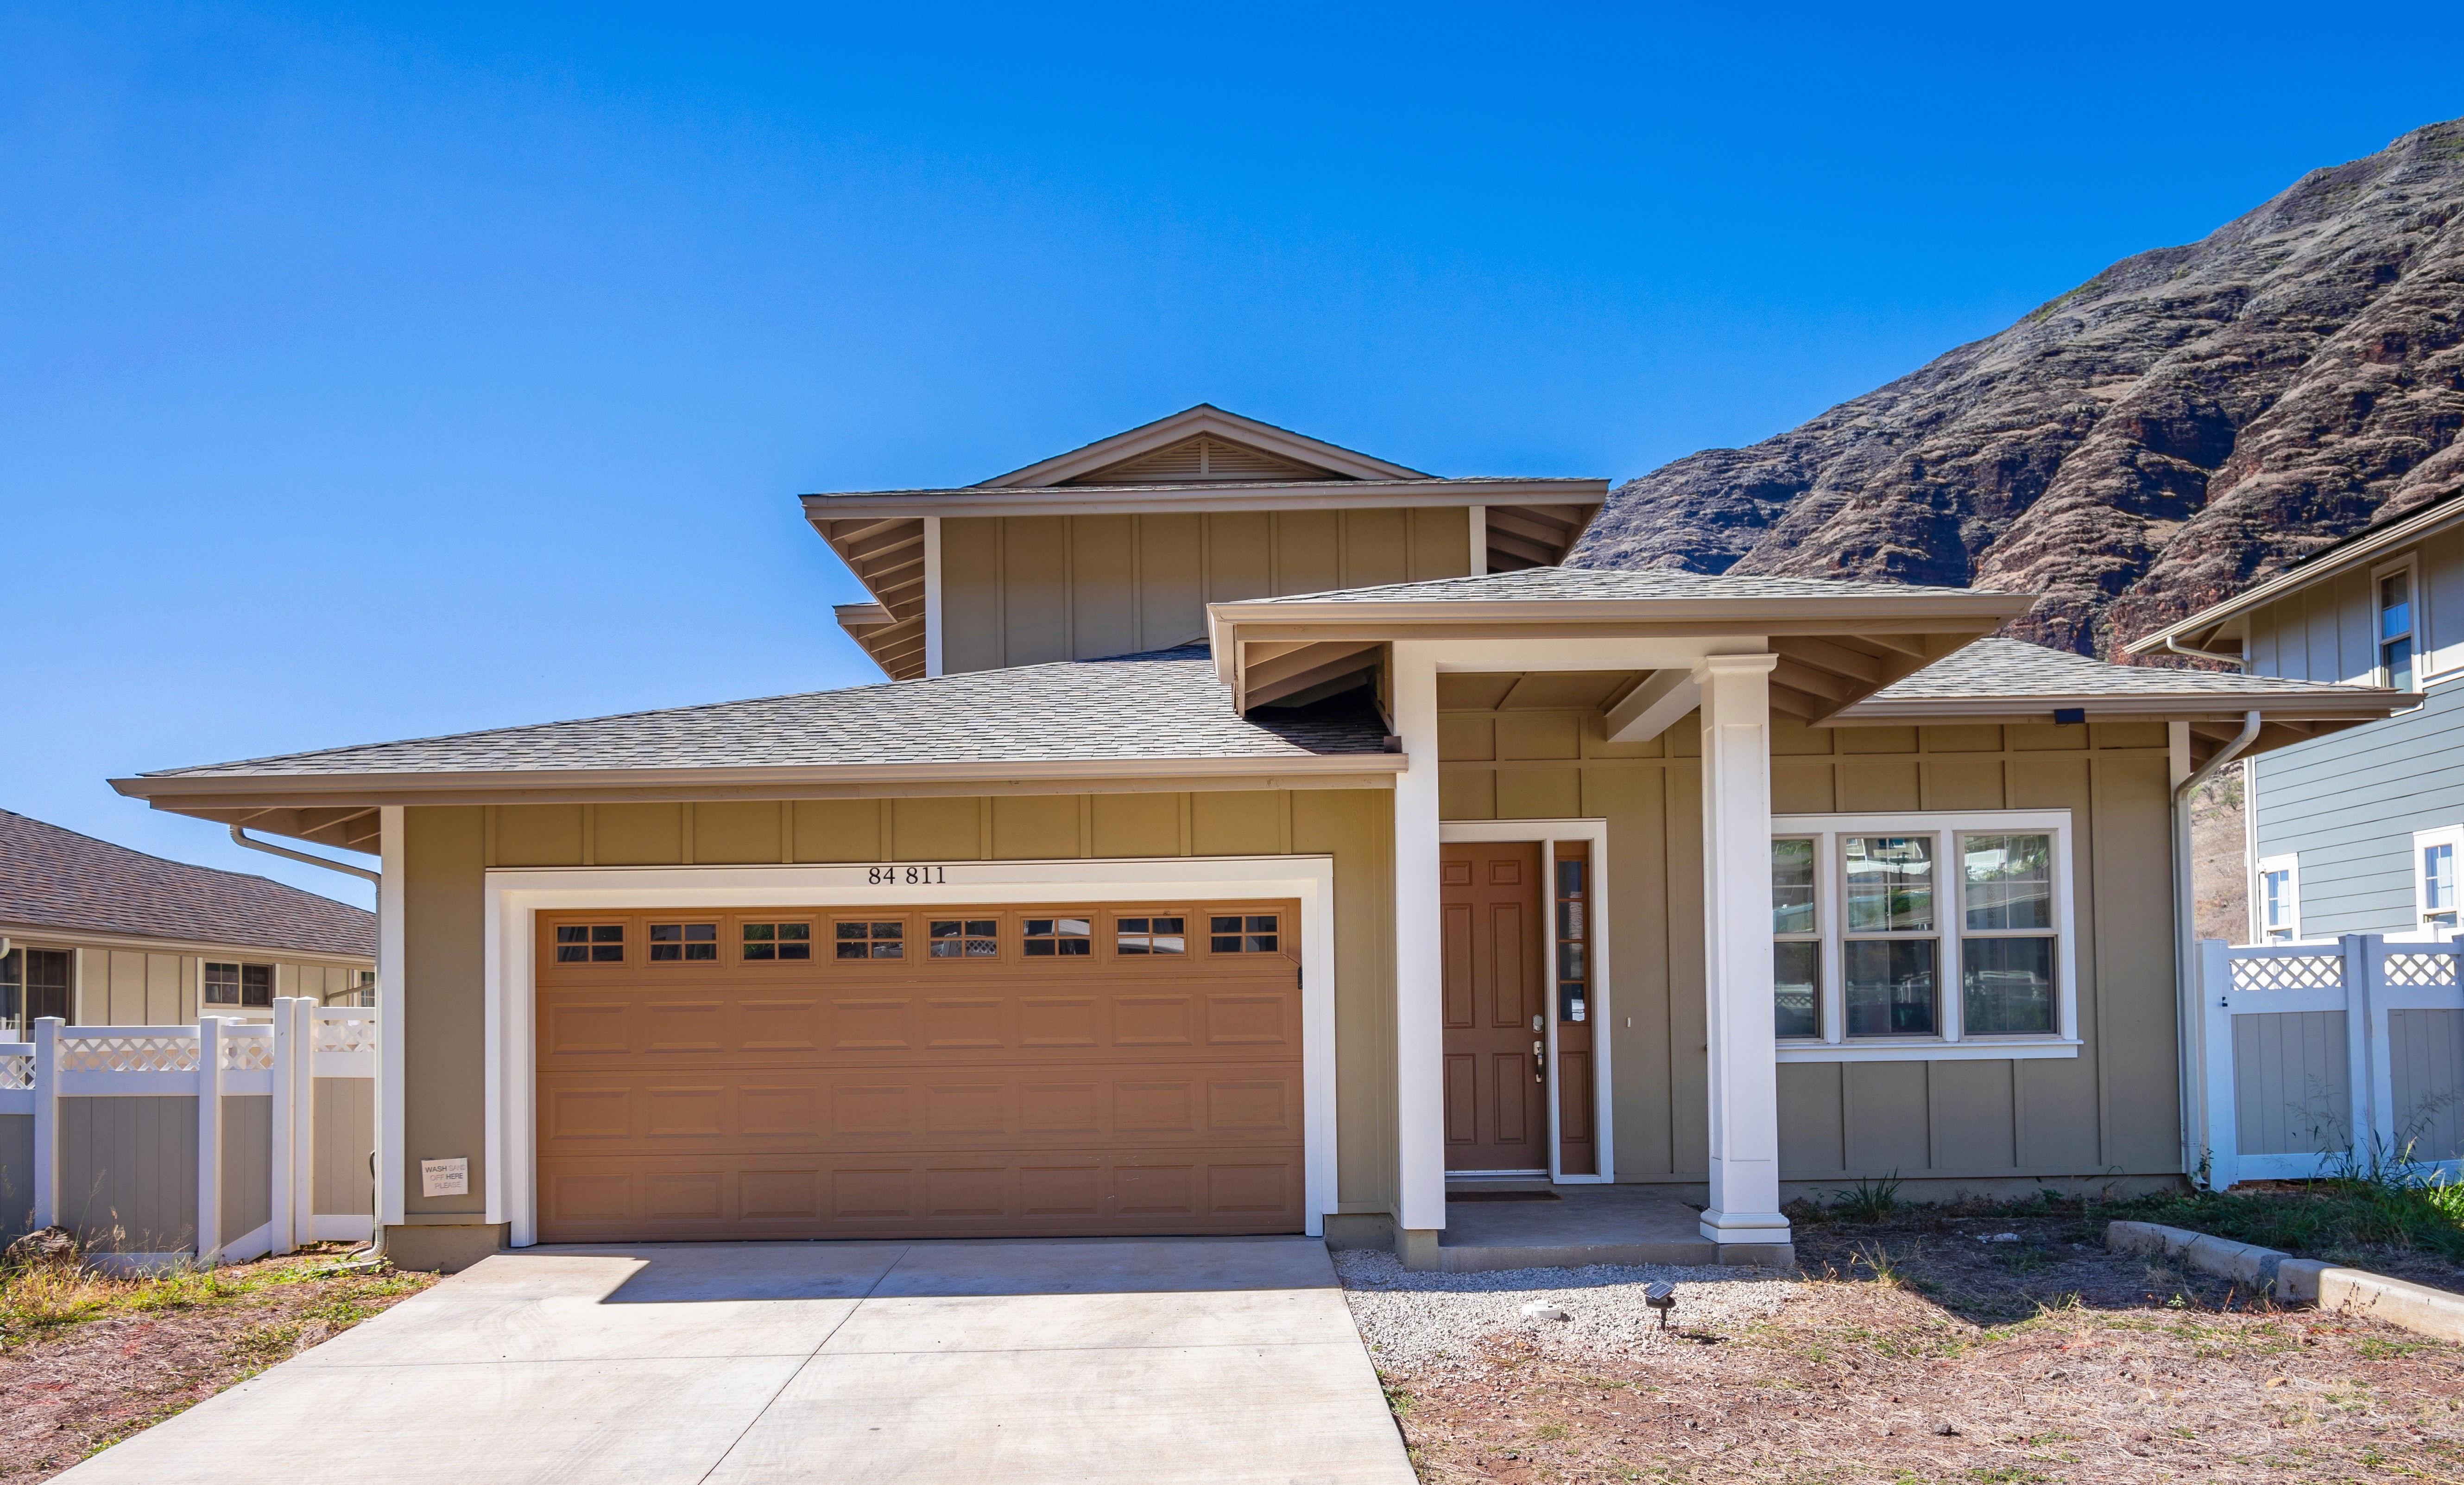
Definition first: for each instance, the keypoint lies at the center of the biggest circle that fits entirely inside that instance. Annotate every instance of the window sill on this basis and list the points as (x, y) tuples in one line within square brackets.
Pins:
[(1983, 1049)]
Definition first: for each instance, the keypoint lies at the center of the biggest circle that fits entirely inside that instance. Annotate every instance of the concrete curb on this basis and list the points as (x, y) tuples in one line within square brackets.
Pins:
[(2407, 1306)]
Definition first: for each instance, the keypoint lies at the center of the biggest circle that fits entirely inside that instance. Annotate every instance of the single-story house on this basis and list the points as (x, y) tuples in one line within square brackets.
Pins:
[(99, 935), (1257, 837), (2360, 831)]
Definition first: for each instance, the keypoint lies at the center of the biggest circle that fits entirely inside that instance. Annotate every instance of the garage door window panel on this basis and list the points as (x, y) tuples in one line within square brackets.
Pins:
[(871, 939), (1059, 938), (776, 942), (590, 943), (976, 939), (684, 942)]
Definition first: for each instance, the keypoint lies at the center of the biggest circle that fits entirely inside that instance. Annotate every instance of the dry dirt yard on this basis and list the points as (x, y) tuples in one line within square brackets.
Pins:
[(86, 1360), (1902, 1351)]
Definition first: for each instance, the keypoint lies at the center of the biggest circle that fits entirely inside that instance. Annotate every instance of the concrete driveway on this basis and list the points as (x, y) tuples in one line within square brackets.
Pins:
[(1136, 1360)]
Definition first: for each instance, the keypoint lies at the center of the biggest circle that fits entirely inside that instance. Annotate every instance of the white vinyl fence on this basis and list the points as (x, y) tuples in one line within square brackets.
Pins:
[(2321, 1055), (214, 1142)]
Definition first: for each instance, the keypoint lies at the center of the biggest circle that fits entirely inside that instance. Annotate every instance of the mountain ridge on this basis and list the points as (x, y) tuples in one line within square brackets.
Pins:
[(2185, 422)]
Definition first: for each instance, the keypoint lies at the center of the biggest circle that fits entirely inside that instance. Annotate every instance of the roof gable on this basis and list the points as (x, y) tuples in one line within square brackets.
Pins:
[(1204, 457), (1107, 460)]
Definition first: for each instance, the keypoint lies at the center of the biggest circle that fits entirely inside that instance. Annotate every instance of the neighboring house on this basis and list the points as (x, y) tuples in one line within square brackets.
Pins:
[(1268, 838), (2360, 831), (99, 935)]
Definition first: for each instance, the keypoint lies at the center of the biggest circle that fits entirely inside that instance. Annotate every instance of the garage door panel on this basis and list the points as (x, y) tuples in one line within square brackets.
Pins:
[(972, 1094), (1005, 1109), (953, 1195)]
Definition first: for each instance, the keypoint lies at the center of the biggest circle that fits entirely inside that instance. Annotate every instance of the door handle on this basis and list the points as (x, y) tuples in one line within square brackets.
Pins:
[(1539, 1062)]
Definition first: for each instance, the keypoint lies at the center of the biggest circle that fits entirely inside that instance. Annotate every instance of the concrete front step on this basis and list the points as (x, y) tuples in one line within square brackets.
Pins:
[(1587, 1225)]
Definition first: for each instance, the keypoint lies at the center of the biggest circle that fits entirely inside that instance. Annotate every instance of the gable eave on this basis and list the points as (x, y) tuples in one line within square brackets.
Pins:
[(1188, 423)]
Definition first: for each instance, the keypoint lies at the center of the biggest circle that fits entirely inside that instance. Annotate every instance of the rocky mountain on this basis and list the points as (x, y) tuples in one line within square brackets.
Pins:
[(2186, 421)]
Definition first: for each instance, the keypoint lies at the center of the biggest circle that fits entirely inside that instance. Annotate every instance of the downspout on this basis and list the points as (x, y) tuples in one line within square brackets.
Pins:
[(2189, 1005), (2217, 655), (240, 837)]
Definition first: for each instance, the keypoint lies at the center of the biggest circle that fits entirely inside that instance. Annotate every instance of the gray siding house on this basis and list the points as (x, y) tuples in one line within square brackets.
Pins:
[(2360, 831)]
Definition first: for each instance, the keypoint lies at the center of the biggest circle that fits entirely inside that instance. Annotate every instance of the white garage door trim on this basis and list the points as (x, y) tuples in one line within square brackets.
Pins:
[(513, 896)]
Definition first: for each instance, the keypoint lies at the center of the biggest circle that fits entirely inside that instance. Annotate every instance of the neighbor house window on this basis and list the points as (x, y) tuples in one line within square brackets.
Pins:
[(2397, 629), (239, 984), (1928, 929), (33, 984), (364, 988), (2280, 906), (2434, 856)]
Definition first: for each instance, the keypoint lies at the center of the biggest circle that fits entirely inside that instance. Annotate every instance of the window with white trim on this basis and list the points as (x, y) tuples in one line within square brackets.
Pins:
[(1930, 930), (2399, 611), (2435, 858), (2280, 898)]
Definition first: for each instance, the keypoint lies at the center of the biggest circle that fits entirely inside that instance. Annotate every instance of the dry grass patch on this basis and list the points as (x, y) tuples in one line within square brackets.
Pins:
[(87, 1359), (1911, 1352)]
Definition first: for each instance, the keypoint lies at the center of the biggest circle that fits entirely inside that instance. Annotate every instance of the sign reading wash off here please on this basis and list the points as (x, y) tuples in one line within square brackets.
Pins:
[(445, 1177)]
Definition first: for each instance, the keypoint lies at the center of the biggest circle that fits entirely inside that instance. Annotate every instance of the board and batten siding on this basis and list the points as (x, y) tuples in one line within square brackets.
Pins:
[(2347, 803), (2112, 1111), (131, 987), (1026, 589), (449, 848)]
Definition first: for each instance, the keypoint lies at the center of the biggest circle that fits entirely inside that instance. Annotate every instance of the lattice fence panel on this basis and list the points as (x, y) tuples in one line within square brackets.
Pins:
[(248, 1054), (17, 1070), (2419, 970), (2289, 972), (346, 1034), (128, 1053)]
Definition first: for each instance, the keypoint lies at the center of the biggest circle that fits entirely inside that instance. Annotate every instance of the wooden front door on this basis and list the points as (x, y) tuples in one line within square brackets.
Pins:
[(1494, 996)]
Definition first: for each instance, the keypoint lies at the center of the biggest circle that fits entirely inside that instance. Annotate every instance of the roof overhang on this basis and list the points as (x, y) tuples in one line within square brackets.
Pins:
[(2287, 715), (341, 809), (2203, 629), (1833, 651), (1401, 493)]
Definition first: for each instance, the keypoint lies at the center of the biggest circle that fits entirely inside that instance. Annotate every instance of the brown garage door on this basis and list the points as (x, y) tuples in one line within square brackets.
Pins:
[(950, 1072)]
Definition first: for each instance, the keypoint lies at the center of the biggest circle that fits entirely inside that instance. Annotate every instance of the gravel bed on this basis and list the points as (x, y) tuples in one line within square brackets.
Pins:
[(1451, 1321)]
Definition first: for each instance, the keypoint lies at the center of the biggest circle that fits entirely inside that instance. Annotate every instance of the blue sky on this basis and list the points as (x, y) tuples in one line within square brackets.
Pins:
[(373, 373)]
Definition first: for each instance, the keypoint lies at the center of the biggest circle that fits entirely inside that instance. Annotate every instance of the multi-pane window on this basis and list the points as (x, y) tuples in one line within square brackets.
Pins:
[(1150, 936), (872, 941), (33, 984), (1574, 940), (239, 984), (589, 943), (2396, 647), (2006, 946), (1058, 938), (673, 941), (1796, 947), (364, 988), (2280, 916), (1892, 947), (1251, 932), (1924, 927), (770, 942), (2438, 885), (963, 938)]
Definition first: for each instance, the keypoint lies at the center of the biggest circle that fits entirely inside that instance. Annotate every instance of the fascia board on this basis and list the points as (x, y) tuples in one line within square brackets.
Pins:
[(1110, 499), (2207, 706), (36, 935), (2412, 528), (583, 785), (1188, 423)]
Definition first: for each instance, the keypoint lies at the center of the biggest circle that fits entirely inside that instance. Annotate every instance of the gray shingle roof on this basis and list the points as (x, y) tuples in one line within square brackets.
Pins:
[(1600, 585), (1992, 669), (1162, 705), (55, 878)]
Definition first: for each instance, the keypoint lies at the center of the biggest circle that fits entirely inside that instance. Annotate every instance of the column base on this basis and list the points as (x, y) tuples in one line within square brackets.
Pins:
[(435, 1248), (1418, 1247), (1755, 1239)]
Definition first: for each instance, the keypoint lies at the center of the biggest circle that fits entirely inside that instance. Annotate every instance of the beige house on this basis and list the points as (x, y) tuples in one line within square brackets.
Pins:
[(99, 935), (1262, 837)]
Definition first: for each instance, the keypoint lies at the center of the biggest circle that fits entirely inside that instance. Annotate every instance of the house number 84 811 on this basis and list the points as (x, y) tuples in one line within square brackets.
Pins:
[(908, 875)]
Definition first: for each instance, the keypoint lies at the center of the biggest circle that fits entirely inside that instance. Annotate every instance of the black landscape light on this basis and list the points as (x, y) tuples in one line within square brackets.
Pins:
[(1660, 1295)]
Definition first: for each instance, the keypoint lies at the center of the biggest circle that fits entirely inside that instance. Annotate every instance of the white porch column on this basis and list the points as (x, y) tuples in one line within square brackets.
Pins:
[(1744, 1209), (1419, 1028), (393, 1019)]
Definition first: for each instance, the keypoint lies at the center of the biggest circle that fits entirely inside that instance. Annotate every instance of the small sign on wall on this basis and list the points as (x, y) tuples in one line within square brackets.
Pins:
[(445, 1177)]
